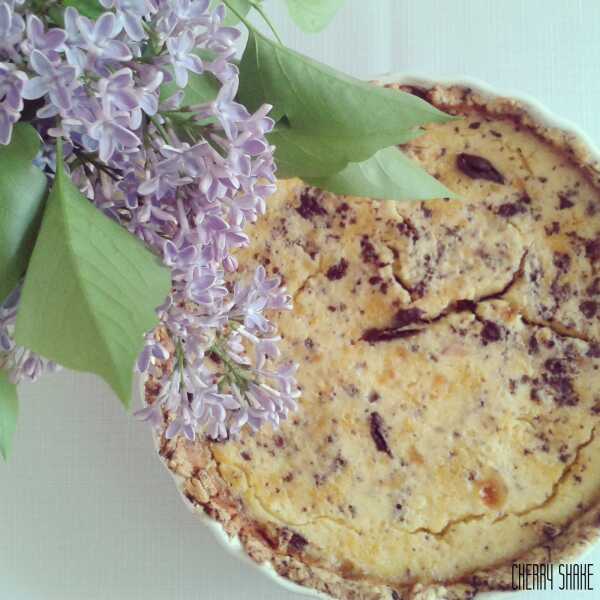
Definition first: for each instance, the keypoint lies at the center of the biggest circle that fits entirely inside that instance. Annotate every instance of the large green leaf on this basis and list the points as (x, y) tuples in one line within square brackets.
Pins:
[(313, 16), (90, 291), (387, 175), (22, 191), (315, 97), (299, 153), (9, 412)]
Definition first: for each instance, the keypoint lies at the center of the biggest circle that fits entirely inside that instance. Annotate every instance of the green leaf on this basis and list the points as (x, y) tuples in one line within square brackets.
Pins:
[(22, 192), (56, 16), (91, 290), (89, 8), (9, 412), (387, 175), (299, 153), (328, 120), (240, 6), (200, 89), (313, 16), (315, 97)]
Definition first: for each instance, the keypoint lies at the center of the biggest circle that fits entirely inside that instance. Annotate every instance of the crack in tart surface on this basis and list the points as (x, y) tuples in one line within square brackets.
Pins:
[(449, 363)]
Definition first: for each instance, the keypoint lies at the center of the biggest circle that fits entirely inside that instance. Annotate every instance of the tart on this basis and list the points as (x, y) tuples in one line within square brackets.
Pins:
[(449, 364)]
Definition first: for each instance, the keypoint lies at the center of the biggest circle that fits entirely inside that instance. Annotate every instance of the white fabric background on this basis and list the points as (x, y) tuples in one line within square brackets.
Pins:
[(86, 510)]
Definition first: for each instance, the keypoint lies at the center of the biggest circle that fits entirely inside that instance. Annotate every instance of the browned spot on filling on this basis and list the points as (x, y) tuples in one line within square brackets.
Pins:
[(492, 492), (415, 456)]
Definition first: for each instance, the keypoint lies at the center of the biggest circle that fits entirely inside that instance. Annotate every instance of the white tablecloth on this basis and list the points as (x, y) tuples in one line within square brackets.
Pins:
[(86, 510)]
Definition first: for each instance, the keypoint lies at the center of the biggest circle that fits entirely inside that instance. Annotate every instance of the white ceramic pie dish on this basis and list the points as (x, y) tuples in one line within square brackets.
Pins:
[(540, 114)]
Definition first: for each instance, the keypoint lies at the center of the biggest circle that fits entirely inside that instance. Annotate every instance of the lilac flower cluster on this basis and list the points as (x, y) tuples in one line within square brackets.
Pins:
[(185, 179)]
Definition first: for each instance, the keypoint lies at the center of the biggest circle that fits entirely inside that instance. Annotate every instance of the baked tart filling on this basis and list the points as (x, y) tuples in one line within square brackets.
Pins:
[(449, 364)]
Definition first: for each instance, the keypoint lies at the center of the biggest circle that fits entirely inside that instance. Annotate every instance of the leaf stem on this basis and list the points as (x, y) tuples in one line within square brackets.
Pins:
[(85, 158), (259, 9), (233, 372), (160, 129), (247, 23), (180, 362), (239, 16)]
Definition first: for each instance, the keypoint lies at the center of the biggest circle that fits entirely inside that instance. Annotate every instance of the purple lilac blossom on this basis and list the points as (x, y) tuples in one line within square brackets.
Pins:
[(187, 191)]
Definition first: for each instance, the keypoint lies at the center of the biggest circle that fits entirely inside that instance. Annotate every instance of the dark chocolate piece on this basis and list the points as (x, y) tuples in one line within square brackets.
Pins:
[(477, 167), (376, 425)]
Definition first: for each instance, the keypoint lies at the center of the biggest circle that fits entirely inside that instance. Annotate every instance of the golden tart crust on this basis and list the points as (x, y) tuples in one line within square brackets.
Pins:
[(450, 370)]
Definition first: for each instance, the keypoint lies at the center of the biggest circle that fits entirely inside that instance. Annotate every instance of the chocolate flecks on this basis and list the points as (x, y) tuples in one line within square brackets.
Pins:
[(510, 209), (297, 543), (279, 441), (309, 344), (337, 271), (550, 531), (592, 250), (475, 125), (246, 456), (309, 204), (491, 332), (555, 366), (477, 167), (387, 334), (374, 396), (558, 382), (593, 350), (564, 202), (214, 357), (415, 90), (427, 212), (562, 261), (367, 251), (408, 316), (553, 228), (376, 427), (533, 345), (408, 229), (465, 305), (594, 288), (396, 595), (589, 308), (191, 498)]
